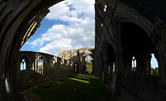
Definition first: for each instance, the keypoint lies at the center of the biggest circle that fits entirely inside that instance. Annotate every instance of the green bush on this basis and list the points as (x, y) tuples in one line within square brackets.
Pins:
[(154, 71), (89, 68)]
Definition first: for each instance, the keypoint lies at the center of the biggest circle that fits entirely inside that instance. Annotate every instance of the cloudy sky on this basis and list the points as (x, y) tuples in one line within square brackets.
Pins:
[(69, 25)]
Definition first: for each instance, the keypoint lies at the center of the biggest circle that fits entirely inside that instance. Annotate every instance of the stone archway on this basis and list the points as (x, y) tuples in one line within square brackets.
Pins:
[(109, 69), (135, 41), (123, 13), (28, 62), (20, 19)]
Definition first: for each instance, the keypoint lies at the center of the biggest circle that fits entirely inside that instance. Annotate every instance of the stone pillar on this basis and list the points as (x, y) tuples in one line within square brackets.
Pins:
[(111, 67), (120, 67), (141, 68), (29, 65), (148, 63), (58, 62), (2, 87), (83, 64), (34, 65), (36, 62), (98, 43), (161, 57), (92, 55), (143, 64), (105, 63), (128, 63), (65, 63), (78, 61), (97, 62)]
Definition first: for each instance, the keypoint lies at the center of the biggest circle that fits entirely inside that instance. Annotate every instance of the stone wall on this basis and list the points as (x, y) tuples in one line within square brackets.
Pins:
[(79, 57), (49, 67), (53, 67), (67, 54), (127, 28), (111, 47)]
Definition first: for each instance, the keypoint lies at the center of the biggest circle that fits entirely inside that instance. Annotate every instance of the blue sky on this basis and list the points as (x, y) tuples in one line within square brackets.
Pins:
[(153, 61), (69, 25)]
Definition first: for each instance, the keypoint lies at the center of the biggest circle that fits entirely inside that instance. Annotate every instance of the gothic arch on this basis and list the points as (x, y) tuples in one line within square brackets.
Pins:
[(27, 60), (128, 14)]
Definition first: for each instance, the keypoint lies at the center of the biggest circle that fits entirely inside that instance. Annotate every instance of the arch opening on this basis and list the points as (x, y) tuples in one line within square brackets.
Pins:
[(40, 66), (134, 64), (23, 65), (137, 43), (109, 64), (111, 59), (154, 66), (137, 47), (30, 22)]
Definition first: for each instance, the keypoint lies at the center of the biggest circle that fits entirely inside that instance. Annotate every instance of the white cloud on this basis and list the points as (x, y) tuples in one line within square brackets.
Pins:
[(77, 33), (58, 11)]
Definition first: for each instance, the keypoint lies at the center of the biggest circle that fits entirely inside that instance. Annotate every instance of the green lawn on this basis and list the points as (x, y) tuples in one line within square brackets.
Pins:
[(89, 68), (80, 88)]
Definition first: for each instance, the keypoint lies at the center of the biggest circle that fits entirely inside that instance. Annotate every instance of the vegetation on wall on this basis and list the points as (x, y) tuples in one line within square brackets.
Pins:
[(89, 68), (155, 71)]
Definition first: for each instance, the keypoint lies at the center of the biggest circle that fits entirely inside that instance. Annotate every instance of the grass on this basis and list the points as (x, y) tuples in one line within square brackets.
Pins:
[(89, 68), (82, 87)]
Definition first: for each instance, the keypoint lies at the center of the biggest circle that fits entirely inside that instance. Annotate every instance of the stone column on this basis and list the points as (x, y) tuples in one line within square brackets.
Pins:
[(120, 66), (161, 57), (141, 68), (128, 64), (143, 64), (58, 62), (34, 65), (98, 43), (2, 87), (36, 62), (111, 67), (148, 63), (105, 63), (29, 65)]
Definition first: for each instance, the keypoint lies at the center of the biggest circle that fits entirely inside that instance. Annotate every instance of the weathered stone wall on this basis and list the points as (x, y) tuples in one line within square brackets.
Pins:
[(17, 18), (113, 18), (78, 57), (67, 54), (53, 67)]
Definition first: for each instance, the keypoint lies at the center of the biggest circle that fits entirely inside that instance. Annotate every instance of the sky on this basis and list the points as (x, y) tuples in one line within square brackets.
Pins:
[(153, 61), (69, 25)]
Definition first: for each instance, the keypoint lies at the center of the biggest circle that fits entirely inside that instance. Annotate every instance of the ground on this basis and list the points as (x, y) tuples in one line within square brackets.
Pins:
[(82, 87)]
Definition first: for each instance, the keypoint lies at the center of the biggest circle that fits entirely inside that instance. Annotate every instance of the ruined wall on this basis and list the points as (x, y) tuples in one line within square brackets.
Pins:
[(53, 67), (148, 16), (79, 57), (67, 54), (16, 17)]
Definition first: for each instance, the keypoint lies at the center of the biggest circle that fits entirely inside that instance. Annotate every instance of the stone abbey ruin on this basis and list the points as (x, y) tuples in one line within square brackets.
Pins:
[(123, 29), (52, 67)]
